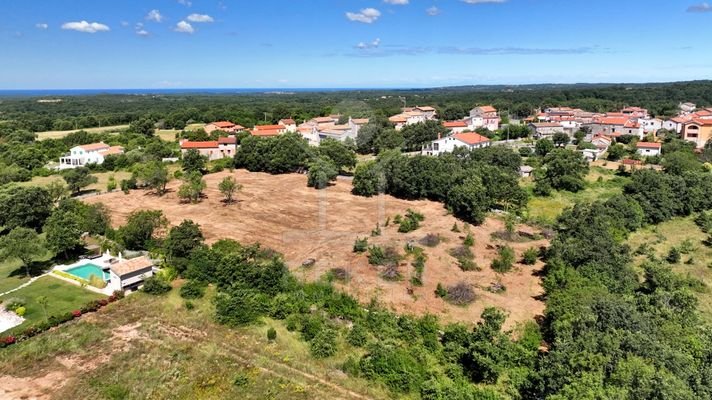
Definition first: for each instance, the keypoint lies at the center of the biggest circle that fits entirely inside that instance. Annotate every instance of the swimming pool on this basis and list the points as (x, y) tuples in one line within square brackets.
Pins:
[(87, 270)]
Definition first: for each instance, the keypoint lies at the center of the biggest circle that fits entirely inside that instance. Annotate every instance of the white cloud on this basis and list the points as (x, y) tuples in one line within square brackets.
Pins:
[(142, 32), (41, 26), (154, 15), (86, 27), (433, 11), (200, 18), (367, 15), (184, 27), (397, 2), (371, 45), (483, 1), (125, 23), (186, 3)]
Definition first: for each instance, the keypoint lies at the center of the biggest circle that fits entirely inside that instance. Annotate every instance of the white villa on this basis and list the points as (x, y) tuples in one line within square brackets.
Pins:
[(483, 117), (448, 144), (118, 273), (649, 148), (80, 156), (130, 274)]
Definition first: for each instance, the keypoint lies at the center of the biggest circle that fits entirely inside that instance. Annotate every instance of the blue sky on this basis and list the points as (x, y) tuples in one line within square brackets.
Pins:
[(102, 44)]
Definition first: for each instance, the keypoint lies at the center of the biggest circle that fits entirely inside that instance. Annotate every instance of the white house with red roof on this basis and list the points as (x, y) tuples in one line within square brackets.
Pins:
[(448, 144), (212, 149), (289, 124), (94, 153), (483, 117), (649, 149)]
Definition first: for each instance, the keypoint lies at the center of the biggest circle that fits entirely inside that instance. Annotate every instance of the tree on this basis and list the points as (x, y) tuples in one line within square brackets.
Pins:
[(57, 190), (416, 135), (78, 178), (543, 147), (366, 137), (27, 207), (561, 139), (616, 152), (63, 232), (228, 186), (182, 240), (154, 175), (342, 157), (321, 172), (193, 161), (369, 179), (681, 161), (469, 200), (564, 170), (138, 232), (192, 187), (22, 244), (143, 126), (387, 140)]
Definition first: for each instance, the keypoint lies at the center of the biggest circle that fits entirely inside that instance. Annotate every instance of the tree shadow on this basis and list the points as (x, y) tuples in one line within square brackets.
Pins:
[(36, 268)]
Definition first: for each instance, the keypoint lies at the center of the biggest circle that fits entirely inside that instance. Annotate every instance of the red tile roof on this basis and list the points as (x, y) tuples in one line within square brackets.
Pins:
[(455, 124), (267, 132), (199, 145), (94, 146), (227, 140), (470, 138), (268, 127), (487, 109), (287, 121), (648, 145), (223, 124)]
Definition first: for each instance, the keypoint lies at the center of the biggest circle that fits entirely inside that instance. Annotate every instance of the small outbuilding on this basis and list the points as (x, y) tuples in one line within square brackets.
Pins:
[(130, 274)]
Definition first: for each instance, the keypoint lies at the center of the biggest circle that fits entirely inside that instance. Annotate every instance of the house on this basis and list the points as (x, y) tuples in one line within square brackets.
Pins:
[(615, 124), (289, 124), (698, 130), (525, 171), (227, 145), (80, 156), (210, 149), (268, 130), (130, 274), (545, 129), (483, 117), (649, 149), (447, 144), (650, 125), (427, 111), (687, 108), (223, 126), (408, 118), (456, 126), (601, 142), (635, 112)]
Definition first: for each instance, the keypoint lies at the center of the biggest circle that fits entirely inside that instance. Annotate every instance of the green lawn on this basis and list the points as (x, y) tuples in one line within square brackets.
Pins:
[(601, 184), (61, 134), (10, 275), (63, 297), (696, 263)]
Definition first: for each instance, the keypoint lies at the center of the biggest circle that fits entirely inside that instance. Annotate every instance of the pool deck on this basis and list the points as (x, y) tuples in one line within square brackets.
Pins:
[(102, 262)]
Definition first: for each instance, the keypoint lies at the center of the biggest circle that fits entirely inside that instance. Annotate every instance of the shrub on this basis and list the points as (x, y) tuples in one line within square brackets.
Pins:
[(156, 285), (379, 256), (467, 265), (505, 261), (96, 282), (119, 294), (455, 228), (391, 273), (674, 256), (20, 311), (324, 344), (241, 380), (410, 222), (193, 289), (377, 231), (357, 336), (292, 322), (440, 291), (13, 303), (76, 313), (460, 294), (360, 245), (469, 240), (189, 305), (271, 334), (530, 256)]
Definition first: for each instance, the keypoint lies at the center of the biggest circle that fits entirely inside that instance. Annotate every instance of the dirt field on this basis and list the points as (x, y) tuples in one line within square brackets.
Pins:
[(282, 213)]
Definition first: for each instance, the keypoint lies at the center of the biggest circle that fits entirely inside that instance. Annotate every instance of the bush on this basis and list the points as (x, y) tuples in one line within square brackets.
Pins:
[(357, 336), (530, 256), (156, 286), (469, 240), (460, 294), (324, 344), (360, 245), (96, 282), (20, 311), (271, 334), (455, 228), (193, 289), (292, 322), (379, 256), (391, 273), (505, 261), (440, 291), (410, 222), (674, 256), (189, 305)]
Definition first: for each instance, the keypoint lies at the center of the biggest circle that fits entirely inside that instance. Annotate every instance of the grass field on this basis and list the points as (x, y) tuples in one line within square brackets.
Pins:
[(601, 184), (12, 274), (697, 263), (154, 347), (168, 135), (63, 297), (60, 134), (100, 185)]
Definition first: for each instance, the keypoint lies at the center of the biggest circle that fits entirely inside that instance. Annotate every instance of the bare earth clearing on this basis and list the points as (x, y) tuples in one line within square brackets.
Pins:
[(280, 212)]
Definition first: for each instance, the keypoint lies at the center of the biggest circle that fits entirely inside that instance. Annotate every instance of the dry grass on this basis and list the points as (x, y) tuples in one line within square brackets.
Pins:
[(282, 213), (60, 134), (99, 186)]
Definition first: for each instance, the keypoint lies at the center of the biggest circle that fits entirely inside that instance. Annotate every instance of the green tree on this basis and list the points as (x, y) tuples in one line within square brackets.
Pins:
[(321, 172), (616, 152), (564, 170), (57, 190), (469, 200), (192, 187), (543, 147), (22, 244), (193, 161), (143, 126), (154, 175), (679, 162), (27, 207), (387, 140), (78, 178), (342, 157), (228, 186), (416, 135), (561, 139), (181, 241), (140, 228), (63, 231)]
